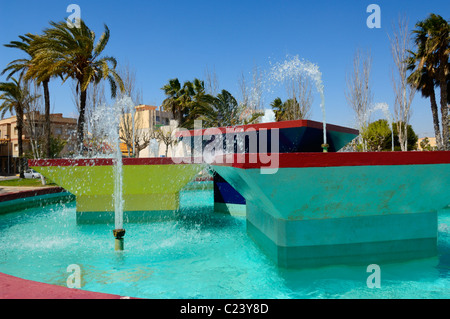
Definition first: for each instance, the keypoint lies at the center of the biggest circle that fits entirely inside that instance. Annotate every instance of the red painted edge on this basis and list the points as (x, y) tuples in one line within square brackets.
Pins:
[(18, 288), (70, 162), (271, 125), (110, 161), (30, 193), (293, 160), (249, 161)]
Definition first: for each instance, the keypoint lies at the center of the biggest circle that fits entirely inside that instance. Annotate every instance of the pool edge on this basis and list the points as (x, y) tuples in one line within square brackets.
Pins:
[(12, 287)]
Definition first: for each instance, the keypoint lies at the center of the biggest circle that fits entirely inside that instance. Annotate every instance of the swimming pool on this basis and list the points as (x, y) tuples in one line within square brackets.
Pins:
[(200, 254)]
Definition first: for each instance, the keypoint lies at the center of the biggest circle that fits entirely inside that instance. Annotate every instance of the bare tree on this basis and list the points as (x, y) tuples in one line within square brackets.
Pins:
[(243, 90), (211, 82), (300, 101), (34, 121), (128, 76), (251, 104), (358, 92), (135, 139), (256, 91), (166, 135), (404, 93)]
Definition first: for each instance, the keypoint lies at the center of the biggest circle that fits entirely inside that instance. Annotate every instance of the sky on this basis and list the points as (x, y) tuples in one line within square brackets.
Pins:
[(162, 40)]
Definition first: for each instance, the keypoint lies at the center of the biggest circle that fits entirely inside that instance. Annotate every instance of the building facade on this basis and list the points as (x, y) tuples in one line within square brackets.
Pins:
[(33, 130), (147, 119)]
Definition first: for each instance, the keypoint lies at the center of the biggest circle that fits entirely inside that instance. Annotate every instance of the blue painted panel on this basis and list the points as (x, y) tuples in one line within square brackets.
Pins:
[(225, 193), (291, 140)]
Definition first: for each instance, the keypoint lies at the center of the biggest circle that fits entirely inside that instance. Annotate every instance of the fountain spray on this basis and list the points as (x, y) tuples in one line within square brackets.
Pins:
[(105, 127), (293, 67)]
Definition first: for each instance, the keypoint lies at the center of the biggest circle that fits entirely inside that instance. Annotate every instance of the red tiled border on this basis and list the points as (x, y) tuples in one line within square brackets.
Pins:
[(17, 288), (109, 161), (285, 160)]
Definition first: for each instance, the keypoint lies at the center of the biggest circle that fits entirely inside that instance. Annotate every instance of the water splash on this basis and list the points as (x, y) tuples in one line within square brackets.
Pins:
[(104, 142), (291, 69), (269, 116)]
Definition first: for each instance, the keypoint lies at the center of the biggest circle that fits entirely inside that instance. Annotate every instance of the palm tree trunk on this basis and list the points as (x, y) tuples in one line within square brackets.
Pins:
[(19, 112), (47, 118), (434, 111), (444, 107), (81, 119)]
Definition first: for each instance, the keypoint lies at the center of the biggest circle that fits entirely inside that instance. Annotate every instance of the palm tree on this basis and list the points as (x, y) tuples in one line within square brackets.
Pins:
[(278, 108), (15, 97), (222, 110), (432, 38), (22, 65), (288, 110), (73, 53), (182, 99), (172, 102), (423, 80)]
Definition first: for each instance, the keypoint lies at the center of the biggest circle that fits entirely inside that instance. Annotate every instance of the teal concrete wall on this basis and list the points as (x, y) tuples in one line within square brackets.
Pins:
[(35, 201), (332, 192), (348, 240), (317, 216)]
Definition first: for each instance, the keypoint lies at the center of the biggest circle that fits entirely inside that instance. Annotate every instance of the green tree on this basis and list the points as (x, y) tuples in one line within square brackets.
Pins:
[(172, 104), (181, 100), (223, 110), (412, 139), (73, 53), (57, 144), (21, 66), (425, 145), (14, 97), (423, 79), (288, 110), (377, 135), (432, 37), (278, 108)]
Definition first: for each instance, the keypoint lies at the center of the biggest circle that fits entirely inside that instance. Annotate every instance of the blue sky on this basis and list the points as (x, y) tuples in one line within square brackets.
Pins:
[(167, 39)]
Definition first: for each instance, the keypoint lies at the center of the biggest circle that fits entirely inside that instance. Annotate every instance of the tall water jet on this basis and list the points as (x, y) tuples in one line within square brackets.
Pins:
[(105, 126), (292, 68)]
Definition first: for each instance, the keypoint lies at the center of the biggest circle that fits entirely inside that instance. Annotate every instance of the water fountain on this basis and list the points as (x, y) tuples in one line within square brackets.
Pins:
[(317, 209), (293, 136), (291, 68), (312, 209), (111, 189)]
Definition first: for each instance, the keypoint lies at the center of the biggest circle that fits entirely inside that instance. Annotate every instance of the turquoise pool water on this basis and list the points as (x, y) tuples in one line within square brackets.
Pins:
[(198, 255)]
